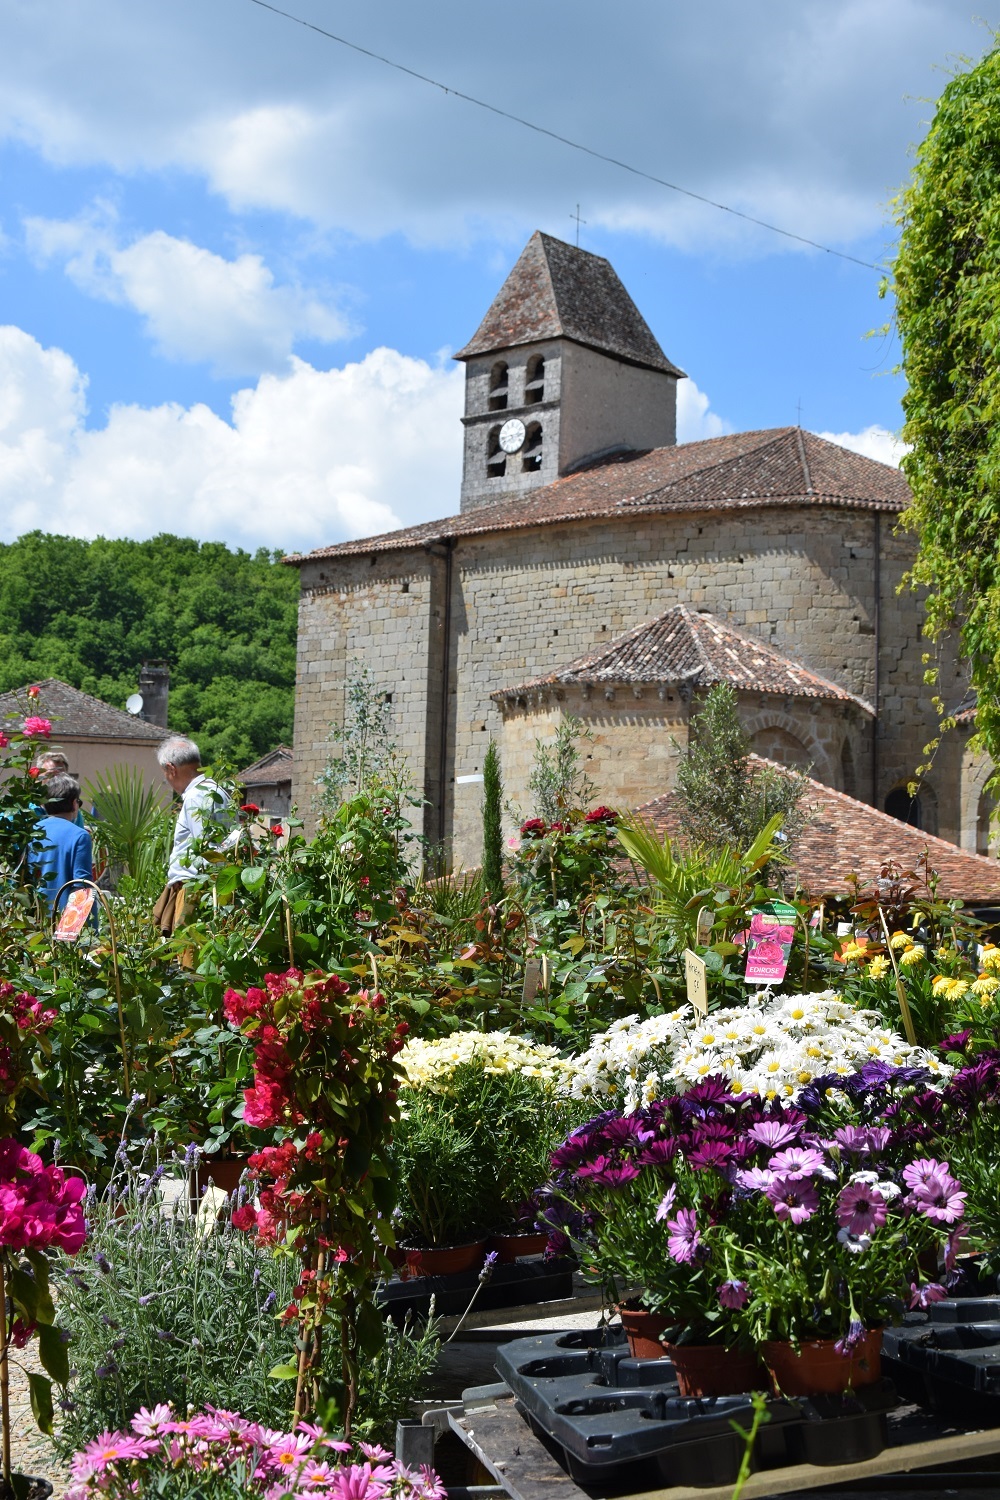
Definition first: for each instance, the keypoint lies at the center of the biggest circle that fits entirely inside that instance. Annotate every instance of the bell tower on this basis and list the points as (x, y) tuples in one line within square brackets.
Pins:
[(563, 370)]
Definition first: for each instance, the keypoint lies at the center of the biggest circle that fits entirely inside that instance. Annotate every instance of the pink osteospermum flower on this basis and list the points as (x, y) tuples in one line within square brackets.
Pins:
[(375, 1452), (923, 1296), (860, 1208), (292, 1449), (793, 1199), (684, 1236), (115, 1447), (356, 1482), (734, 1294), (148, 1423), (924, 1170), (943, 1201), (798, 1161), (666, 1203), (774, 1133)]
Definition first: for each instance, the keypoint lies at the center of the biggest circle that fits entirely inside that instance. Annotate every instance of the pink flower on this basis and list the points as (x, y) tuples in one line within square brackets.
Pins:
[(36, 729), (923, 1296), (755, 1179), (148, 1423), (4, 741), (793, 1198), (860, 1208), (34, 692), (114, 1447), (774, 1133), (798, 1161), (292, 1448), (734, 1295), (666, 1203), (934, 1192), (684, 1236)]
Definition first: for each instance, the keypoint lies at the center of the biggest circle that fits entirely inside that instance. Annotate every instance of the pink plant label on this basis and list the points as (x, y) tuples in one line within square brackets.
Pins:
[(769, 942), (74, 915)]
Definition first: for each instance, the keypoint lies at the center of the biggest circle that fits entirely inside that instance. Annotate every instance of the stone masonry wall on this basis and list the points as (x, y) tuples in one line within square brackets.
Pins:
[(526, 602)]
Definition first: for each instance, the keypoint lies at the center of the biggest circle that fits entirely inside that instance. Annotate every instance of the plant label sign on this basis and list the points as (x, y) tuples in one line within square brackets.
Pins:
[(704, 925), (769, 942), (74, 915), (696, 976), (532, 979)]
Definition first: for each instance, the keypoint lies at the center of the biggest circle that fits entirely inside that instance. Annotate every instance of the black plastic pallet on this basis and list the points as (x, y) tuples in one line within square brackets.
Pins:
[(622, 1420), (524, 1282)]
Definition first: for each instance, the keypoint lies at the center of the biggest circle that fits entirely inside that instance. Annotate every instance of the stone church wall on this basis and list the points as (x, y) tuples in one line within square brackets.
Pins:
[(523, 603)]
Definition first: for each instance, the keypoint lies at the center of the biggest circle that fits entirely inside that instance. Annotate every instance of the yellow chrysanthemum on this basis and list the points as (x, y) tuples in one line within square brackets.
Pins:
[(991, 958), (985, 986), (914, 955), (900, 940), (879, 967), (852, 951), (939, 984)]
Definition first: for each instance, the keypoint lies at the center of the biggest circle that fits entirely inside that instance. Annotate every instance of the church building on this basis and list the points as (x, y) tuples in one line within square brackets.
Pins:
[(597, 568)]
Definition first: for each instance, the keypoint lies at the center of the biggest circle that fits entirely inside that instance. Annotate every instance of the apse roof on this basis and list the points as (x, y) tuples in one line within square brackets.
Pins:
[(693, 646)]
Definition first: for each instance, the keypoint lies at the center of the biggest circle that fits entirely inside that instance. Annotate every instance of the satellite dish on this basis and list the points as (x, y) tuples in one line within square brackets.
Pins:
[(134, 704)]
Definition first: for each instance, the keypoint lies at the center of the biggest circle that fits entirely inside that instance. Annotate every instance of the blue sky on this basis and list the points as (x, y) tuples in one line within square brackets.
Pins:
[(235, 257)]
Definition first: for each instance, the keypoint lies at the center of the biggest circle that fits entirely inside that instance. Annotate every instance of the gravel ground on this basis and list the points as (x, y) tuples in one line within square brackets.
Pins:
[(31, 1451)]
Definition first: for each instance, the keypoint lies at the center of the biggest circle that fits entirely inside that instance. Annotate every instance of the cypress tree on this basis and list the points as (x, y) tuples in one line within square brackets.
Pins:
[(493, 823)]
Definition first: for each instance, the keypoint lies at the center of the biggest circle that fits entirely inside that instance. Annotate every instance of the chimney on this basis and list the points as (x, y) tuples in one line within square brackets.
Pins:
[(154, 686)]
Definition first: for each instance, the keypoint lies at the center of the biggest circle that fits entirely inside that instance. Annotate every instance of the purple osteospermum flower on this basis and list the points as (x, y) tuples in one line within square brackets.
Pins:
[(941, 1199), (757, 1179), (863, 1140), (666, 1203), (923, 1296), (734, 1294), (860, 1208), (955, 1042), (774, 1133), (710, 1154), (684, 1237), (852, 1338), (793, 1198), (798, 1161), (657, 1153)]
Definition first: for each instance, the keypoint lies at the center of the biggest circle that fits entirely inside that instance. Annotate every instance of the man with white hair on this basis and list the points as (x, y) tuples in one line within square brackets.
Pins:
[(201, 798)]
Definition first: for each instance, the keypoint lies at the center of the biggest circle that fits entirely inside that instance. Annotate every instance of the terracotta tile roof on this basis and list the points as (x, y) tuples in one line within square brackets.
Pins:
[(965, 713), (844, 836), (744, 470), (77, 715), (559, 291), (272, 768), (693, 646)]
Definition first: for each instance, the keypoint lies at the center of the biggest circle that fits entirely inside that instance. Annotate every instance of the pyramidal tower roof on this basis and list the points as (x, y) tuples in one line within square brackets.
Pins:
[(559, 291)]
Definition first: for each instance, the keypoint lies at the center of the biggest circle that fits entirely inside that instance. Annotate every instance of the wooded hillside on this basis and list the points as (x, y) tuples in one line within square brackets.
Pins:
[(90, 612)]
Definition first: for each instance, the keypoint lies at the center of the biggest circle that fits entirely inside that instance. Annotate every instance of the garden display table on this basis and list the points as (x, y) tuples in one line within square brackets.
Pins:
[(535, 1285), (525, 1467)]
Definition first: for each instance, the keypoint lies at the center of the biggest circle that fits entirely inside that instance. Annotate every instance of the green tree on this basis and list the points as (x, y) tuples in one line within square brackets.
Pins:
[(946, 283), (729, 797), (558, 780), (492, 823), (225, 621)]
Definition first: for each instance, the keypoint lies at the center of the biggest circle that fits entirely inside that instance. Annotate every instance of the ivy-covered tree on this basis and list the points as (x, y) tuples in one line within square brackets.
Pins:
[(946, 282)]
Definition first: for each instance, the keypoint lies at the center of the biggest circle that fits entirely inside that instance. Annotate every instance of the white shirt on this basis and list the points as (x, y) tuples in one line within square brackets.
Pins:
[(201, 798)]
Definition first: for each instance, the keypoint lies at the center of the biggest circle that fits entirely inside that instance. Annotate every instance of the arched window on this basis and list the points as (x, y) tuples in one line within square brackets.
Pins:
[(847, 776), (534, 388), (498, 387), (777, 744), (531, 453), (984, 822), (496, 458), (913, 810)]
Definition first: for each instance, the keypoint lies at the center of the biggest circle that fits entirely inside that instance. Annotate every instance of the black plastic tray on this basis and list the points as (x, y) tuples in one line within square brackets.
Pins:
[(952, 1353), (525, 1281), (615, 1417)]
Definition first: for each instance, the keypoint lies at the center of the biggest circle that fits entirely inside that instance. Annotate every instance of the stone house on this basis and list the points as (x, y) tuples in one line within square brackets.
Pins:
[(587, 540)]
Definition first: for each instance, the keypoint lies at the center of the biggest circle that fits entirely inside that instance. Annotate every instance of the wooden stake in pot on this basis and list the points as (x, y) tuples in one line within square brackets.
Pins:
[(904, 1004)]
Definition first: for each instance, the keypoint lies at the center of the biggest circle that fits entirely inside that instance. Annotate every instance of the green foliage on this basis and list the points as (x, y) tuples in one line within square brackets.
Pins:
[(558, 780), (492, 823), (369, 756), (946, 284), (91, 612), (133, 829), (726, 798)]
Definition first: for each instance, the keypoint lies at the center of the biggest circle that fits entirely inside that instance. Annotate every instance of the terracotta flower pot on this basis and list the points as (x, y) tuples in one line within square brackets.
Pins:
[(818, 1370), (643, 1329), (444, 1260), (713, 1370), (224, 1171), (510, 1247)]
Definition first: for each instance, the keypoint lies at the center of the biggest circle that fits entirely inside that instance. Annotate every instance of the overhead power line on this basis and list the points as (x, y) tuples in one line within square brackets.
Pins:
[(614, 161)]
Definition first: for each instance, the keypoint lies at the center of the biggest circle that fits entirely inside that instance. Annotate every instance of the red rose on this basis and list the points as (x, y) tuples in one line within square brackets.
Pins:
[(533, 828), (33, 692), (249, 807), (601, 815), (278, 831), (34, 771), (35, 728)]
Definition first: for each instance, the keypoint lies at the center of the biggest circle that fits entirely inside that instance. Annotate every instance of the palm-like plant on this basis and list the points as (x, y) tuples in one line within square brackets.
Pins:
[(131, 827), (685, 882)]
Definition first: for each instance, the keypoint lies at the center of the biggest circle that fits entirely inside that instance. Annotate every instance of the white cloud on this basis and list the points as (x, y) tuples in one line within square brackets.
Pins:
[(695, 419), (310, 456), (797, 111), (874, 442), (195, 304)]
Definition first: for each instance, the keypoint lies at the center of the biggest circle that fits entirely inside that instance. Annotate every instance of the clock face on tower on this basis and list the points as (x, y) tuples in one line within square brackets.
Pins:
[(512, 435)]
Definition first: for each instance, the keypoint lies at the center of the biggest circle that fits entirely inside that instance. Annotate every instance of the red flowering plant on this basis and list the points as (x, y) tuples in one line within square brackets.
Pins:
[(325, 1079), (19, 797)]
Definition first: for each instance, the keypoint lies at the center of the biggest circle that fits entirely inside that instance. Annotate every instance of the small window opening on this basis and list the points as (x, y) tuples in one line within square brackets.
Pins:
[(531, 453), (406, 588), (496, 458), (899, 804), (388, 697), (498, 387), (534, 389)]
